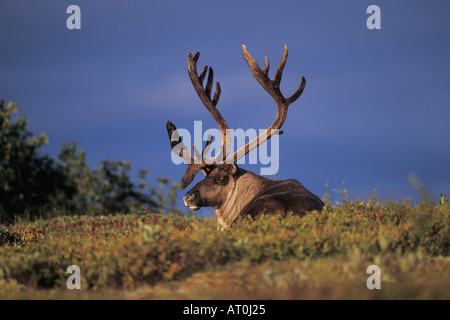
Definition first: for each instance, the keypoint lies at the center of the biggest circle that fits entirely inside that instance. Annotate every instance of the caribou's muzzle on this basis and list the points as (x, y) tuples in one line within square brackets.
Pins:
[(191, 200)]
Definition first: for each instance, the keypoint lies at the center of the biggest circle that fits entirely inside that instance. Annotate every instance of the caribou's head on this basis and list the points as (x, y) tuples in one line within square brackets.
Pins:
[(214, 189), (221, 171)]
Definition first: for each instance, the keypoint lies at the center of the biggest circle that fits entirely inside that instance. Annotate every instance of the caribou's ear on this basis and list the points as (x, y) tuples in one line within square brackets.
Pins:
[(232, 169), (207, 169)]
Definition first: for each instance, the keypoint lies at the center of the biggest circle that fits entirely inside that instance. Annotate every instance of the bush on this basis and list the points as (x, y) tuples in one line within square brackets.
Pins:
[(34, 185), (108, 189), (28, 180)]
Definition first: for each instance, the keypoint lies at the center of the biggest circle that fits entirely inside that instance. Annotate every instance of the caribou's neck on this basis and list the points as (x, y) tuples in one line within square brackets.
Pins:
[(248, 185)]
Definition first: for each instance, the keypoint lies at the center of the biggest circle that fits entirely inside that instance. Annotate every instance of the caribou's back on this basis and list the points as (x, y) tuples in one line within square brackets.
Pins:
[(282, 196)]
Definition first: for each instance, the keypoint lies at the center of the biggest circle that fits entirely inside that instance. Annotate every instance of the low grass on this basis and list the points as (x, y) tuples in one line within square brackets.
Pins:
[(148, 256)]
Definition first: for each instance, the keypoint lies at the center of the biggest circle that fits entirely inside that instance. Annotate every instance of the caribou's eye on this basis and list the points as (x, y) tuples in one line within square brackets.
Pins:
[(222, 180)]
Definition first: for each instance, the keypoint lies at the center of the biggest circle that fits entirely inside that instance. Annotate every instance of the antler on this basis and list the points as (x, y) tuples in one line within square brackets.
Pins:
[(273, 88), (200, 162), (194, 164), (205, 96)]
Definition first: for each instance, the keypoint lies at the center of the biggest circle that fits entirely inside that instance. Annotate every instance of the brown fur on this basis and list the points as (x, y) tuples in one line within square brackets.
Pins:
[(235, 192)]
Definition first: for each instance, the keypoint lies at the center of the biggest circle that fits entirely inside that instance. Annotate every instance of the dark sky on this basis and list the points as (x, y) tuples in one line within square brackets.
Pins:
[(375, 108)]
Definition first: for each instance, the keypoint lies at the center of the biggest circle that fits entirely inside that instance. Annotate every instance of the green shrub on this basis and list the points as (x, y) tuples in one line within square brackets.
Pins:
[(34, 185)]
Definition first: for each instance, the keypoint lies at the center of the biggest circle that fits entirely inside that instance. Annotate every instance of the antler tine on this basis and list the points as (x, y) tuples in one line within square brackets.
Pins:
[(202, 75), (266, 67), (201, 156), (196, 152), (175, 140), (298, 92), (277, 78), (207, 146), (209, 83), (273, 88), (216, 94)]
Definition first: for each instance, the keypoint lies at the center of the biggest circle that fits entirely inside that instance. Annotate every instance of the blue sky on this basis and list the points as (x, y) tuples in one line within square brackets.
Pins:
[(375, 108)]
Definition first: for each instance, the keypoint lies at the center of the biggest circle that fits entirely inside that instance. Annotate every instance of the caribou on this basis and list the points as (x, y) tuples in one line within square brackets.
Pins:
[(232, 191)]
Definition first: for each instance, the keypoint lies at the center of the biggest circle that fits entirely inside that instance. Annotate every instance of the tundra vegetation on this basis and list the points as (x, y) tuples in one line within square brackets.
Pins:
[(147, 249), (323, 255)]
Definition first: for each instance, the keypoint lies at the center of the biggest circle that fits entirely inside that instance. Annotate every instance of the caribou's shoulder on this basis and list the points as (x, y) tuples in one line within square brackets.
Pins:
[(281, 186)]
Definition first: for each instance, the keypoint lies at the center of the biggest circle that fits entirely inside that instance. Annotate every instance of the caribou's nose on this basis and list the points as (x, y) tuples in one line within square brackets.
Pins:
[(189, 200)]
